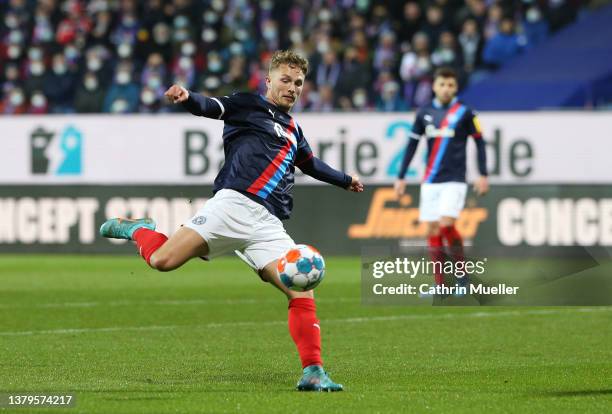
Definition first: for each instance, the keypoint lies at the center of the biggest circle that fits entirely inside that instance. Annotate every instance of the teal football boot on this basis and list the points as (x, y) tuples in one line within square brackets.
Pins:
[(316, 379), (122, 228)]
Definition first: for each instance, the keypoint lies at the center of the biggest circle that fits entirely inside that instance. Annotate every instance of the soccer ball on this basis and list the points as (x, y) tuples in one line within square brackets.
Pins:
[(301, 268)]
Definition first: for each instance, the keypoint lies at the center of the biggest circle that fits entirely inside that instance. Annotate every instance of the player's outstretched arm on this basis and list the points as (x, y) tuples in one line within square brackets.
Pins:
[(319, 170), (195, 103)]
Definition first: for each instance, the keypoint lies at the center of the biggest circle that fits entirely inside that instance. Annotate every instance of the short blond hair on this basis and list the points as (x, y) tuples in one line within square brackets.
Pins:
[(288, 57)]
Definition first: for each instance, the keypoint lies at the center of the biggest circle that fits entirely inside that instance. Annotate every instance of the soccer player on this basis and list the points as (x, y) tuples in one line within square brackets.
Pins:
[(446, 123), (252, 193)]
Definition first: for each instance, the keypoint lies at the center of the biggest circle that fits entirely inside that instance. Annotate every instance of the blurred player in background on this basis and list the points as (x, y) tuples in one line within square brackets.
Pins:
[(262, 144), (446, 123)]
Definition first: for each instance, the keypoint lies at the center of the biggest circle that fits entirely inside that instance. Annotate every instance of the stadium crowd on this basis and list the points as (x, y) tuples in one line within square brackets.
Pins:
[(119, 56)]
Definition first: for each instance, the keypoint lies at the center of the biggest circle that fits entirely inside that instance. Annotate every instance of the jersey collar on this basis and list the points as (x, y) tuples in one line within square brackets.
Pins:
[(437, 104)]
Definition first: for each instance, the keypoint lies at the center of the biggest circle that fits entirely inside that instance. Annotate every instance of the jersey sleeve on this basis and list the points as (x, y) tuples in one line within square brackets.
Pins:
[(304, 152), (418, 127), (474, 129), (220, 107), (473, 125)]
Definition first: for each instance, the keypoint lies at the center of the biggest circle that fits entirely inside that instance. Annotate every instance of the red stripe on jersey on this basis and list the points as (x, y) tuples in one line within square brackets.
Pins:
[(436, 146), (271, 169)]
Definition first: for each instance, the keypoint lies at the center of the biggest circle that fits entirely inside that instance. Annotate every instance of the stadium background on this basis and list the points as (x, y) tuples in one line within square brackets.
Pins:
[(84, 135)]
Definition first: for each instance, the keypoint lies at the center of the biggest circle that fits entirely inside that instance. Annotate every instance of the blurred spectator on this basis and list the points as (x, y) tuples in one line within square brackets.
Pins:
[(89, 95), (38, 103), (124, 94), (413, 20), (221, 46), (328, 71), (235, 80), (59, 86), (503, 46), (471, 44), (325, 101), (360, 99), (354, 74), (35, 79), (12, 79), (385, 53), (74, 26), (447, 53), (434, 24), (14, 102), (154, 74), (150, 102), (534, 25), (493, 21), (390, 99), (415, 70), (308, 97)]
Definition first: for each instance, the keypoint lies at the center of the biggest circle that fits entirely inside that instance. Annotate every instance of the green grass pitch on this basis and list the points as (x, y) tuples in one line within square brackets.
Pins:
[(212, 338)]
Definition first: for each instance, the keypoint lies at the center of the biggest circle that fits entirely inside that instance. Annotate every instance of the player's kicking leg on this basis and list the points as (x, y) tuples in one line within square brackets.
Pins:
[(436, 250), (305, 330), (155, 248)]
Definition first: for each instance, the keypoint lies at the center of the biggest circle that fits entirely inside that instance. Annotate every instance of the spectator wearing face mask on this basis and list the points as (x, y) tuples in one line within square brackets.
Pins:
[(447, 53), (14, 46), (38, 103), (97, 61), (471, 44), (35, 76), (154, 75), (150, 103), (14, 103), (353, 75), (59, 86), (12, 78), (503, 46), (124, 94), (89, 95), (534, 25), (390, 99)]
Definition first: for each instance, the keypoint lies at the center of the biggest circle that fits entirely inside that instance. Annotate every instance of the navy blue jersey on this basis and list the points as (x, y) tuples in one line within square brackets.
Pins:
[(262, 147), (446, 128)]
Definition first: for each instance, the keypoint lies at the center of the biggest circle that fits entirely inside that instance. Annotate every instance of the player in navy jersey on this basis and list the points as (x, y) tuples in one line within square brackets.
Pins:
[(252, 194), (446, 123)]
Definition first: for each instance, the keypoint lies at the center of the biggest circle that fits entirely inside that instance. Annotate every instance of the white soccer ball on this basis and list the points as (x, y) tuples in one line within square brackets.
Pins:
[(301, 268)]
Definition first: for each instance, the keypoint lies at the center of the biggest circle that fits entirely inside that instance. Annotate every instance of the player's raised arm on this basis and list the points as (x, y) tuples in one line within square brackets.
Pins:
[(195, 103)]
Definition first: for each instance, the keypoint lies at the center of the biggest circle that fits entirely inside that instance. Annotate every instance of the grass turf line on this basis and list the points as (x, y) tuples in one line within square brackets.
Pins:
[(223, 345)]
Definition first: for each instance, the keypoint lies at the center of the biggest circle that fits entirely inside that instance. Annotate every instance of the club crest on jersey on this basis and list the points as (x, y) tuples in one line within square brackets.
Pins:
[(282, 132), (199, 220)]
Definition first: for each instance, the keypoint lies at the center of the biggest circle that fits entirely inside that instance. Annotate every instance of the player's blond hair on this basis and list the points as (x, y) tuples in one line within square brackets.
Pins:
[(288, 57)]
